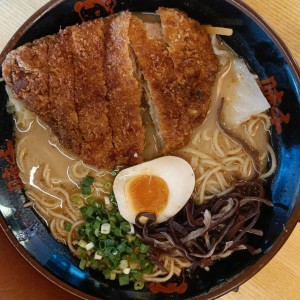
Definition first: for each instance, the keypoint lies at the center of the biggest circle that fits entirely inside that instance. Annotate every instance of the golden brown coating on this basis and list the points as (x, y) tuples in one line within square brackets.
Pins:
[(61, 90), (123, 93), (38, 73), (165, 95), (153, 30), (86, 83), (195, 63), (26, 72), (90, 93)]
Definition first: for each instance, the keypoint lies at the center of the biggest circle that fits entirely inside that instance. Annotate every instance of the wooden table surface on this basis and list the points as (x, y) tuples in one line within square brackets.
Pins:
[(279, 280)]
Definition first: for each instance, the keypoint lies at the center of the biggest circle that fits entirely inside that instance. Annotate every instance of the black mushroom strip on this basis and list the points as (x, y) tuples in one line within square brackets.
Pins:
[(206, 233)]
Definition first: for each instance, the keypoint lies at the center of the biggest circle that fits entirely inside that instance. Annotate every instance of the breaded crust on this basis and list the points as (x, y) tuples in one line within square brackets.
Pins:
[(123, 93), (40, 74), (153, 30), (26, 72), (85, 82), (166, 98), (195, 63), (90, 93), (61, 90)]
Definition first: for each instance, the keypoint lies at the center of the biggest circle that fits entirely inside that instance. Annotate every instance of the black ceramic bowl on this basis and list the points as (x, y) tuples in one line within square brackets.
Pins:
[(266, 55)]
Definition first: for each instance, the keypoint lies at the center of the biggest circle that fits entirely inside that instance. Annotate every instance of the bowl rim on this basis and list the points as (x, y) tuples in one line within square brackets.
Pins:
[(250, 271)]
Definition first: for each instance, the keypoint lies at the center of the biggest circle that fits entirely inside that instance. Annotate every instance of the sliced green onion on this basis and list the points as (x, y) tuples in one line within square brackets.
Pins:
[(87, 181), (97, 232), (133, 265), (144, 248), (125, 226), (138, 285), (119, 217), (67, 226), (86, 185), (148, 268), (97, 256), (121, 247), (123, 279), (108, 243), (82, 243), (86, 190), (131, 229), (102, 245), (82, 264), (113, 275), (90, 200), (96, 224), (95, 264), (137, 242), (128, 250), (81, 231), (126, 271), (89, 246), (134, 258), (112, 219), (105, 228), (123, 264), (89, 211), (106, 274), (107, 185), (77, 201), (142, 256), (130, 238), (88, 230), (117, 232)]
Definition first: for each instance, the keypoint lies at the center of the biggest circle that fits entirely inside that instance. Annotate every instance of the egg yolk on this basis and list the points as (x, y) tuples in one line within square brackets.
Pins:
[(147, 193)]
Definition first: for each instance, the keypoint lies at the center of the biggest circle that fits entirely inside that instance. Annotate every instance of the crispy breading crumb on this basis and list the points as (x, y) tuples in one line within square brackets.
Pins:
[(86, 83), (124, 93)]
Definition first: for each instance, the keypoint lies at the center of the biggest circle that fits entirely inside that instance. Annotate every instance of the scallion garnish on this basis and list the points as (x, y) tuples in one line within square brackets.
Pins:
[(90, 200), (86, 185), (88, 181), (108, 243), (86, 190), (82, 264), (77, 201), (67, 226), (107, 185), (139, 285), (124, 279), (144, 248)]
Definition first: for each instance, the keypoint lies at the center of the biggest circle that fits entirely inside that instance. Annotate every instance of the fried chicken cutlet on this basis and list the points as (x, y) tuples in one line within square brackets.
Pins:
[(194, 60), (88, 83), (124, 93), (164, 95), (179, 68), (90, 93), (63, 80)]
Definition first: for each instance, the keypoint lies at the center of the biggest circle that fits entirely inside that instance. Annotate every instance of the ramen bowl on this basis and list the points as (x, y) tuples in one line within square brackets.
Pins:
[(279, 76)]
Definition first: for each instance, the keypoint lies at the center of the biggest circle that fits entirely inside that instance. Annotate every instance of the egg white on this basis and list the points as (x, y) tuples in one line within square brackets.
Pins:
[(177, 174)]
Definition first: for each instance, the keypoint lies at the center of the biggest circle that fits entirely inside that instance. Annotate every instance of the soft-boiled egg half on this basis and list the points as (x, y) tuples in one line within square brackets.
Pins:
[(161, 186)]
